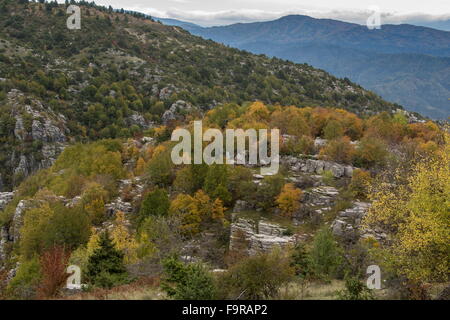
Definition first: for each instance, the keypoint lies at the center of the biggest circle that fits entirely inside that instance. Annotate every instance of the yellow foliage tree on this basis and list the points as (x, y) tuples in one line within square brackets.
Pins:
[(123, 239), (289, 199), (196, 210), (140, 167), (417, 216)]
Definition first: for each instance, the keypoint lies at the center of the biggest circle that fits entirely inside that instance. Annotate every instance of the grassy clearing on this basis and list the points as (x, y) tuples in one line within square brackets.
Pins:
[(142, 289)]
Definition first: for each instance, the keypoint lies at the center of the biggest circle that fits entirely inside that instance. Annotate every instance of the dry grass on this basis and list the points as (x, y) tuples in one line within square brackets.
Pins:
[(146, 288)]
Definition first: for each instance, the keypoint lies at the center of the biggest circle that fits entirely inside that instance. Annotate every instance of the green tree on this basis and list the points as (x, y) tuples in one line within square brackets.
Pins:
[(156, 203), (160, 167), (216, 183), (325, 255), (106, 265)]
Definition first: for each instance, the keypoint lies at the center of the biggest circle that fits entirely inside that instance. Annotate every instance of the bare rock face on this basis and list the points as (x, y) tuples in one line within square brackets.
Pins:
[(12, 234), (315, 203), (176, 111), (46, 131), (129, 190), (250, 237), (138, 120), (166, 92), (3, 242), (321, 196), (314, 166), (347, 224), (17, 222), (35, 123), (5, 198)]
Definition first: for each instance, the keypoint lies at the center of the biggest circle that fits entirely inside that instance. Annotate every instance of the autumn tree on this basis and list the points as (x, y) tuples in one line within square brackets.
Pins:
[(339, 150), (196, 210), (53, 263), (414, 211), (360, 183), (289, 200), (123, 239), (333, 130), (140, 167), (370, 152)]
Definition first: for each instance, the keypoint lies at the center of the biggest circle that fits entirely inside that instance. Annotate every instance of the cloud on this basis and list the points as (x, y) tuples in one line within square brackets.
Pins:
[(224, 17)]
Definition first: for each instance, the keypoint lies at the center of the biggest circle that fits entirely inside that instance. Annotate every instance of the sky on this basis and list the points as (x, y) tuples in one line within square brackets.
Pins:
[(222, 12)]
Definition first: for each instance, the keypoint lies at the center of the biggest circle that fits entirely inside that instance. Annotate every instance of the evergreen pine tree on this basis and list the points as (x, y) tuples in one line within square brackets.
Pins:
[(105, 266)]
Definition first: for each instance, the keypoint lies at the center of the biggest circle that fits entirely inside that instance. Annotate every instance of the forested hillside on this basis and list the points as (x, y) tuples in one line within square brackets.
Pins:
[(118, 75), (350, 193), (86, 123)]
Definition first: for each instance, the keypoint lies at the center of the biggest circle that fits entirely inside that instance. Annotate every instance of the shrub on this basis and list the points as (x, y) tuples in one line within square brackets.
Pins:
[(269, 189), (25, 283), (257, 277), (355, 290), (53, 268), (187, 281)]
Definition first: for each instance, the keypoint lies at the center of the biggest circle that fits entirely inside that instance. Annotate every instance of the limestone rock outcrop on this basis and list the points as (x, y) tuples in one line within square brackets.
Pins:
[(176, 111), (347, 224), (251, 237), (315, 166)]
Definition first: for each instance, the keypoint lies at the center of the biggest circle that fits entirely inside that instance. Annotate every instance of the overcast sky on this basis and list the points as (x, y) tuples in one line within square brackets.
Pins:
[(219, 12)]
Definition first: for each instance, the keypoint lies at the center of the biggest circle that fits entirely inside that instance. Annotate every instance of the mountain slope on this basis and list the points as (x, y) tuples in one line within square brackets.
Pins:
[(120, 73), (296, 28), (403, 63)]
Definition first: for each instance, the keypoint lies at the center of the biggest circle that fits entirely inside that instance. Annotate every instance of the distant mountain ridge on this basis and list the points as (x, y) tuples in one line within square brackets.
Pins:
[(406, 64)]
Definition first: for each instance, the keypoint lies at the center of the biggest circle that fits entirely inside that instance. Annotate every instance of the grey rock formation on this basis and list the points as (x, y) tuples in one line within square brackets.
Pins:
[(17, 221), (47, 131), (320, 196), (314, 166), (138, 120), (251, 237), (315, 203), (176, 111), (241, 206), (347, 224), (5, 198), (165, 93)]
